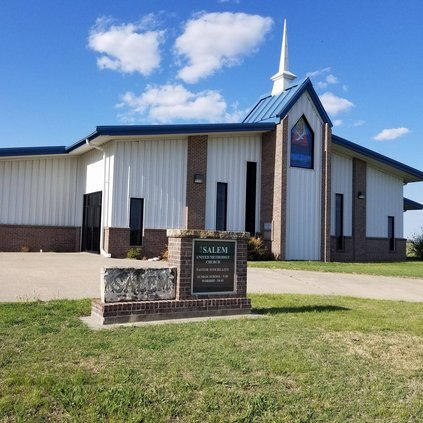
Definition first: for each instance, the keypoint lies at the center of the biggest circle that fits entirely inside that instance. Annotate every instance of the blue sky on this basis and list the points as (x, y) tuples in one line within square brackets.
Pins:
[(69, 66)]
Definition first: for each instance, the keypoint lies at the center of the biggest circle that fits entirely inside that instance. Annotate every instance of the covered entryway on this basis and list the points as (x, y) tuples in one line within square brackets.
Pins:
[(91, 222)]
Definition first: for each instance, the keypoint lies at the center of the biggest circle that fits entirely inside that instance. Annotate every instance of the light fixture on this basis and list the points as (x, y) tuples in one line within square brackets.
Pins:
[(361, 195), (198, 178)]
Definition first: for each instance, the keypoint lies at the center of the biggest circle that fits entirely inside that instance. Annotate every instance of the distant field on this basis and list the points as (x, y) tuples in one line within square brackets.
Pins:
[(410, 268), (309, 359)]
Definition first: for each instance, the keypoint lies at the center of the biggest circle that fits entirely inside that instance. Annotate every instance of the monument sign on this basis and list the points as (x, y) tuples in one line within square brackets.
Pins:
[(213, 266)]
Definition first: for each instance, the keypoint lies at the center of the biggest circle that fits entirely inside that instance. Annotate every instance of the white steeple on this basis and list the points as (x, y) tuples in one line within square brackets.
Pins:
[(282, 80)]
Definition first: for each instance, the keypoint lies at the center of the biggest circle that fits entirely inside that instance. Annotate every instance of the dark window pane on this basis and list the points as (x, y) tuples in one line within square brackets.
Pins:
[(250, 198), (339, 221), (391, 232), (221, 206), (136, 220)]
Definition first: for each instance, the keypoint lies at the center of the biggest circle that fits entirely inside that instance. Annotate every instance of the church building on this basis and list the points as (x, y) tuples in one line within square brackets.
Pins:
[(280, 173)]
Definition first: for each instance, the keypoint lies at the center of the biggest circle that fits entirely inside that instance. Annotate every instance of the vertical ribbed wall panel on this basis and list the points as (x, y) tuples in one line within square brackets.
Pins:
[(38, 191), (342, 184), (156, 171), (303, 211), (384, 198), (92, 171), (227, 158)]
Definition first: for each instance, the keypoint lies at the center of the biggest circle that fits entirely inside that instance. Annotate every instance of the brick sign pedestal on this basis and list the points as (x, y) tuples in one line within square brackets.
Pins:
[(211, 280)]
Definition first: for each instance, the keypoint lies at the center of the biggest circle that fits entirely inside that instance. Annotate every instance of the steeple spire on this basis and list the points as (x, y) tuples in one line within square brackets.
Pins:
[(282, 80)]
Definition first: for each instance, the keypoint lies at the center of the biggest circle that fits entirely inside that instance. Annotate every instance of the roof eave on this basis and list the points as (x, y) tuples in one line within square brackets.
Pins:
[(306, 86), (408, 173), (106, 132)]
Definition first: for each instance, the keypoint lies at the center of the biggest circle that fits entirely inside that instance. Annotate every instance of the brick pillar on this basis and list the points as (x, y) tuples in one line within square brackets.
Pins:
[(359, 210), (196, 192), (279, 190), (326, 193), (267, 181)]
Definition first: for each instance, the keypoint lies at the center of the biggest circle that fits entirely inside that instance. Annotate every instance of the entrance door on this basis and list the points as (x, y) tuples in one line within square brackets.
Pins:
[(91, 222)]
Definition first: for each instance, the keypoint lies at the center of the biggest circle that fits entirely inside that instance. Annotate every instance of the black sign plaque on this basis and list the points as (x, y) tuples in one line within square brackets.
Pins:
[(213, 266)]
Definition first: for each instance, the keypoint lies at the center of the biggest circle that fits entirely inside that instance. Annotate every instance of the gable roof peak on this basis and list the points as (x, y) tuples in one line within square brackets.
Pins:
[(283, 79)]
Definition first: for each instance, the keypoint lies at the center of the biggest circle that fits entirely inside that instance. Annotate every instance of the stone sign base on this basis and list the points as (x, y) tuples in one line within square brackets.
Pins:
[(207, 276), (138, 311)]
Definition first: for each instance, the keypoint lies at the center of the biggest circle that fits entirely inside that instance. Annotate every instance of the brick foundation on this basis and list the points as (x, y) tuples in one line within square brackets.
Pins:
[(155, 242), (111, 313), (62, 239), (116, 242), (374, 249)]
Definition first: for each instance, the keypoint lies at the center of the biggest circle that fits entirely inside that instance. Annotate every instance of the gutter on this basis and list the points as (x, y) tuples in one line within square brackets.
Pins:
[(103, 200)]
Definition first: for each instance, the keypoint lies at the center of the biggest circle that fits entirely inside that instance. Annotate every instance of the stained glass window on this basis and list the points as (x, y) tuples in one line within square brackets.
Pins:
[(302, 145)]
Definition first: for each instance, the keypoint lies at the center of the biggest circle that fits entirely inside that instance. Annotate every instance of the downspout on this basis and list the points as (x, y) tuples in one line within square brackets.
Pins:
[(103, 200)]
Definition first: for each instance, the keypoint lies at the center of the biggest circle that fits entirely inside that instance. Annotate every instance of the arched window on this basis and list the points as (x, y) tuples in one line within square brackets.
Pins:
[(302, 145)]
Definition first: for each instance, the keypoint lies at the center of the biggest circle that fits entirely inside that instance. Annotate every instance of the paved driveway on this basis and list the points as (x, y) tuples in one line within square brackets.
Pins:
[(45, 276)]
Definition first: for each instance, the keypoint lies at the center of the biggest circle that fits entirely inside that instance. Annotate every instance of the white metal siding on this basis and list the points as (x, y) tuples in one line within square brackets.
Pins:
[(303, 210), (227, 158), (38, 191), (384, 198), (341, 183), (156, 171), (92, 171)]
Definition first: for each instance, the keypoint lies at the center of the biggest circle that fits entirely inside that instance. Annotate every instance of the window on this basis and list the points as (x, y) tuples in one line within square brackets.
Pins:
[(136, 217), (221, 206), (391, 232), (339, 221), (302, 145), (250, 198)]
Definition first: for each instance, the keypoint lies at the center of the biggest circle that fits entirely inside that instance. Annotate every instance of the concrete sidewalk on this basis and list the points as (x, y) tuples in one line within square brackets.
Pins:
[(46, 276), (364, 286)]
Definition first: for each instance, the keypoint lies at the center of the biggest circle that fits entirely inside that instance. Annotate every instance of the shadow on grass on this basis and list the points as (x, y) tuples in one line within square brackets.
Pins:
[(302, 309)]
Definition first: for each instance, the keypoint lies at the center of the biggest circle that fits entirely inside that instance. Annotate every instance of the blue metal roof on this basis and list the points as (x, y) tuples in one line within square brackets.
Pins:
[(377, 156), (134, 130), (412, 205), (32, 151), (272, 108), (201, 128)]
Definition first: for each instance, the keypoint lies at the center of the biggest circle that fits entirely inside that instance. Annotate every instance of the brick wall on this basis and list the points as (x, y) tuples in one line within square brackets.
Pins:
[(154, 242), (375, 249), (116, 242), (378, 249), (279, 190), (36, 238), (359, 210), (196, 193), (267, 182)]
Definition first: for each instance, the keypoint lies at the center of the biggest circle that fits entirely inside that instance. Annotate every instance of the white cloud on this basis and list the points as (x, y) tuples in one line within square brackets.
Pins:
[(338, 122), (318, 72), (211, 41), (332, 79), (170, 103), (334, 104), (391, 134), (126, 48), (359, 122)]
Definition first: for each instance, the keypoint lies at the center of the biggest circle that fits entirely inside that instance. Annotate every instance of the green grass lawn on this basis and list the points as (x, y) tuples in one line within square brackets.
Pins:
[(309, 359), (410, 268)]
